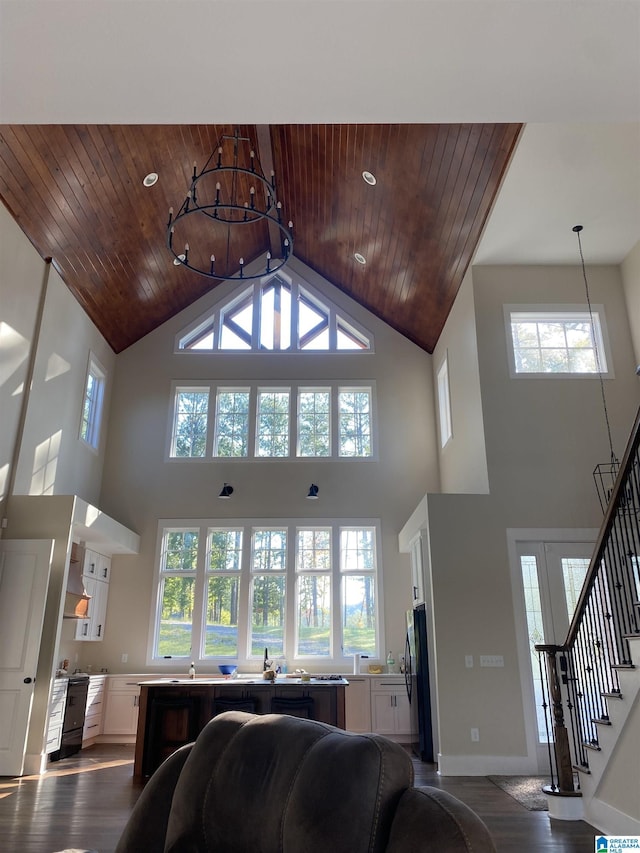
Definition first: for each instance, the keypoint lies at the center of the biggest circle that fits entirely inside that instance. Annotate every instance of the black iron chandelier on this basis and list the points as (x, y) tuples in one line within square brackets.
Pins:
[(230, 191)]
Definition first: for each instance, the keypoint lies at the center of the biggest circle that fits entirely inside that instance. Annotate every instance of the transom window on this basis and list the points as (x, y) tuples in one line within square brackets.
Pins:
[(275, 316), (304, 591), (557, 342), (272, 422)]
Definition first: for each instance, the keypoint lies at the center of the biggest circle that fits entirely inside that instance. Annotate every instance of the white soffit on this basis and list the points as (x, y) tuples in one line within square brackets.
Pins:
[(287, 61)]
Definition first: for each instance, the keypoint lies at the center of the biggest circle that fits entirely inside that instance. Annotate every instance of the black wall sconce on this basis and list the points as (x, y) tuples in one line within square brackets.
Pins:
[(226, 492), (313, 492)]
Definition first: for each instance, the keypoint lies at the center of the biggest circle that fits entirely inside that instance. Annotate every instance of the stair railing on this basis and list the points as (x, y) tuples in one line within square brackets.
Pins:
[(581, 675)]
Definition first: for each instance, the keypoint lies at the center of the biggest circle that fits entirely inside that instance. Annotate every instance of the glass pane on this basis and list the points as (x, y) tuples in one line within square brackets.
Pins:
[(275, 316), (314, 615), (273, 423), (190, 425), (232, 423), (555, 361), (528, 361), (524, 335), (313, 423), (180, 551), (355, 423), (269, 551), (574, 571), (314, 550), (174, 635), (552, 335), (267, 615), (221, 629), (348, 338), (357, 549), (359, 615), (225, 550), (582, 361), (533, 608)]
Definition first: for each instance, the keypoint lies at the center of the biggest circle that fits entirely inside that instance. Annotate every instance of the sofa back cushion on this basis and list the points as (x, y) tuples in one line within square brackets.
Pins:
[(279, 784)]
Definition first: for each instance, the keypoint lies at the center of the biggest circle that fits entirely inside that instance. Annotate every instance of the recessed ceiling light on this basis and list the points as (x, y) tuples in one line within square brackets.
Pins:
[(177, 262), (369, 178), (360, 258), (150, 179)]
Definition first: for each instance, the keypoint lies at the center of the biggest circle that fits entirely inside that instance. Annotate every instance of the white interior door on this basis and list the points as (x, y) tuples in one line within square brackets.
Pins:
[(551, 575), (25, 566)]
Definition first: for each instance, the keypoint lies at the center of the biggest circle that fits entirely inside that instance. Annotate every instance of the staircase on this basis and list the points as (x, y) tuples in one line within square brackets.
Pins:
[(610, 785), (593, 678)]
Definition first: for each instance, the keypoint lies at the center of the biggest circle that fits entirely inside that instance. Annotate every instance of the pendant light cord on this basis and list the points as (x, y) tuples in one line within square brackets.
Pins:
[(614, 458)]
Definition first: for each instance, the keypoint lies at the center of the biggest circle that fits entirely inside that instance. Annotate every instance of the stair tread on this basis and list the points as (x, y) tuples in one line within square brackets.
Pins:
[(600, 722)]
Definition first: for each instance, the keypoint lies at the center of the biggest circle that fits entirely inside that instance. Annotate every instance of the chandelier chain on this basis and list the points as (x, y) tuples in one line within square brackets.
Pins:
[(614, 458)]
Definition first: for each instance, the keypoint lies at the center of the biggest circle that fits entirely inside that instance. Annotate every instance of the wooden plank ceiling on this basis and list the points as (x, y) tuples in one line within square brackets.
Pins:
[(76, 191)]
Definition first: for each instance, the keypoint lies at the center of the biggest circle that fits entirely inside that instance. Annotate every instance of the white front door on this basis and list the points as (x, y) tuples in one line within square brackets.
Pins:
[(25, 565), (551, 576)]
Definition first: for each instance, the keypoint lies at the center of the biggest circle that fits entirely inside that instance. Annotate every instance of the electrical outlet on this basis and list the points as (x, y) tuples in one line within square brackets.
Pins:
[(475, 735), (468, 661), (125, 657)]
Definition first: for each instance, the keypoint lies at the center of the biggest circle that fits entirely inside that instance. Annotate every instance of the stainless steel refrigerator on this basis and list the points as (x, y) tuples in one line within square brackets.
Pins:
[(417, 681)]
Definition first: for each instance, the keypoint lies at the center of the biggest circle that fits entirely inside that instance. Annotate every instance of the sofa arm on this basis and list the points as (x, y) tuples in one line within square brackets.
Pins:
[(431, 819), (146, 828)]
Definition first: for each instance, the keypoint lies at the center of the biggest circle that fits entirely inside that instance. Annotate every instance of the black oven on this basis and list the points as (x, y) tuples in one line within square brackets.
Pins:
[(73, 722)]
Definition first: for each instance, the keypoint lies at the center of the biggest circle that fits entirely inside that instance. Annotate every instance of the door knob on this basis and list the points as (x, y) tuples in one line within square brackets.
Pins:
[(28, 680)]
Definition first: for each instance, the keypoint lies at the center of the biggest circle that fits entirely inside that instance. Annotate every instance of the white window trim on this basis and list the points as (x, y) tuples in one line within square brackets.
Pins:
[(95, 369), (252, 663), (561, 312), (445, 422), (254, 386)]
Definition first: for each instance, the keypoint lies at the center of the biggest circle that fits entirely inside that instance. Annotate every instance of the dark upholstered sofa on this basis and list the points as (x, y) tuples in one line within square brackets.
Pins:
[(280, 784)]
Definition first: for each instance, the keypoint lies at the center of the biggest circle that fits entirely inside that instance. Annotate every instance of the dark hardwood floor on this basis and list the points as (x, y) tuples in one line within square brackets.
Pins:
[(84, 802)]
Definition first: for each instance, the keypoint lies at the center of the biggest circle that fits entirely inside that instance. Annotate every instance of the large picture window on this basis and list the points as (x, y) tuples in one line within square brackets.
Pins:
[(304, 591), (255, 421)]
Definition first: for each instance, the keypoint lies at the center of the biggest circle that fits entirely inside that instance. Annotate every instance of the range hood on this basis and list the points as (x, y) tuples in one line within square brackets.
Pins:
[(76, 603)]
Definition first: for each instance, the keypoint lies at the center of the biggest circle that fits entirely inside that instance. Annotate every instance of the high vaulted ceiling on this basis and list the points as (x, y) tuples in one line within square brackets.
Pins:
[(77, 193), (120, 86)]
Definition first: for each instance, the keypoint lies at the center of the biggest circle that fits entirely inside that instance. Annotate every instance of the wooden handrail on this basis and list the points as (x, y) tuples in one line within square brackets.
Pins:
[(603, 536)]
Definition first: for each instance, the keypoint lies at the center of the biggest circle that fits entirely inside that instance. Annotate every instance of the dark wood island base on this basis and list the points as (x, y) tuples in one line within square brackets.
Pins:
[(174, 712)]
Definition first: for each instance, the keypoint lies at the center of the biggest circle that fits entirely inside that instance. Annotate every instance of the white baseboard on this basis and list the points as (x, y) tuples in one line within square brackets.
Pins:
[(486, 765), (608, 820), (34, 764)]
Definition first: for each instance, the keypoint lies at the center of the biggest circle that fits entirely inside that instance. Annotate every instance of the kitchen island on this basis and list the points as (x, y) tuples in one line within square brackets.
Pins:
[(174, 711)]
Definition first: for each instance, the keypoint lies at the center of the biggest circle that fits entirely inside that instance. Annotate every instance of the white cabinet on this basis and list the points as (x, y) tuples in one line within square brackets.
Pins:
[(94, 710), (390, 709), (56, 714), (121, 708), (95, 573), (358, 704)]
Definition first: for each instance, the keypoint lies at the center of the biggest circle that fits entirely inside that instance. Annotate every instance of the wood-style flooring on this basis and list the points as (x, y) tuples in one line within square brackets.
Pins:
[(84, 802)]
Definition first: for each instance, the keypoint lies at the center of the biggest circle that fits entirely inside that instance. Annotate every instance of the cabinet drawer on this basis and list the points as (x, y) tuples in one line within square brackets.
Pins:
[(118, 683), (390, 683)]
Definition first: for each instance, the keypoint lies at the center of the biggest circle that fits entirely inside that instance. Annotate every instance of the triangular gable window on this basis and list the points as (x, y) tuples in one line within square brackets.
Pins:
[(276, 315)]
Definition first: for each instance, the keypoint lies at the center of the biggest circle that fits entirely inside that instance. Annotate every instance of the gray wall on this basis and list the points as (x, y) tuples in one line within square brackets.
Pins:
[(543, 439)]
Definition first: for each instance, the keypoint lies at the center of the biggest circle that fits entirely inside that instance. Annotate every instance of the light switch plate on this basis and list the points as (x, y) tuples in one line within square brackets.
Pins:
[(491, 660)]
